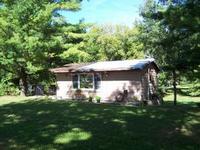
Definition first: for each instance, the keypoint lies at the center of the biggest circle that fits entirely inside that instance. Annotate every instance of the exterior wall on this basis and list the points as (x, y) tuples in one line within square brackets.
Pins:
[(115, 83), (112, 85), (64, 86)]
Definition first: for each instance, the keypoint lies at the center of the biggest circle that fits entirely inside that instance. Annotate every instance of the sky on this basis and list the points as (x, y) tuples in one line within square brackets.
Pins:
[(123, 12)]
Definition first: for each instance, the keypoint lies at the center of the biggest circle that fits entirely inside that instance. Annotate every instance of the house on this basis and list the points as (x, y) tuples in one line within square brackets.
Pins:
[(126, 80)]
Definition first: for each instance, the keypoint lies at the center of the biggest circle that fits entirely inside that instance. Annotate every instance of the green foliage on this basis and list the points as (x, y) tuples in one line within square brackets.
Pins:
[(98, 99), (195, 90), (33, 35), (75, 55), (8, 88), (90, 98), (113, 43), (188, 88), (170, 33)]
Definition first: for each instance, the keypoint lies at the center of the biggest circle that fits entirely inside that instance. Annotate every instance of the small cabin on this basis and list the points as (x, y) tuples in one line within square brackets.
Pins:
[(113, 81)]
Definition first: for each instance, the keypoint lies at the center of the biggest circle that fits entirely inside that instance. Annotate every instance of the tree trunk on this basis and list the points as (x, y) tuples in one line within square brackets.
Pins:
[(174, 86), (23, 83)]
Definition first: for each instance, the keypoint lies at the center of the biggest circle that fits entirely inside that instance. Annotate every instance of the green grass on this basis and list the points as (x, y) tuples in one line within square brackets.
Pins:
[(48, 125), (10, 99), (182, 99)]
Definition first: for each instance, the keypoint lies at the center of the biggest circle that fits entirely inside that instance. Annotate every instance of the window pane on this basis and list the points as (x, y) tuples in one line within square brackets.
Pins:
[(97, 80), (86, 81), (75, 81)]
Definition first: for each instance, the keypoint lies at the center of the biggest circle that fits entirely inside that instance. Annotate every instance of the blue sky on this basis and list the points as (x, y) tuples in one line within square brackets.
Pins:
[(106, 12)]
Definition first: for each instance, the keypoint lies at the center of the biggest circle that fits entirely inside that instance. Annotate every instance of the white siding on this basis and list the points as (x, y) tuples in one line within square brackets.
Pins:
[(115, 82), (112, 83), (64, 86)]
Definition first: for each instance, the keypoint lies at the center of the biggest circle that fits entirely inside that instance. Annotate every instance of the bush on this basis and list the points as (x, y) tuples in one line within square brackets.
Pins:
[(98, 99), (90, 98), (192, 90), (8, 89)]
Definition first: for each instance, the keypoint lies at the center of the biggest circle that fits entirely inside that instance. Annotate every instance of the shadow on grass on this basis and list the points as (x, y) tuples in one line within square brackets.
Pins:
[(43, 124)]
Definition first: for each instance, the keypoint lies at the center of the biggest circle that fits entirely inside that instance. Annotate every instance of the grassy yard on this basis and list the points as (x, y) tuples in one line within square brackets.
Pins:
[(48, 125), (182, 99)]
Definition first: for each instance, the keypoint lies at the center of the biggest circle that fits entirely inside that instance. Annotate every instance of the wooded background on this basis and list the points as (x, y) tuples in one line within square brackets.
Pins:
[(35, 37)]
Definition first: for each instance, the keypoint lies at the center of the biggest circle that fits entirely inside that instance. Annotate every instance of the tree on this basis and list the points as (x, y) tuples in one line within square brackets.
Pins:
[(33, 35), (172, 41), (110, 42), (74, 47)]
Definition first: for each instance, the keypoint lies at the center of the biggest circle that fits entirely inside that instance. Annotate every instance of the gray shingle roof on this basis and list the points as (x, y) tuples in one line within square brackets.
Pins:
[(117, 65), (106, 66)]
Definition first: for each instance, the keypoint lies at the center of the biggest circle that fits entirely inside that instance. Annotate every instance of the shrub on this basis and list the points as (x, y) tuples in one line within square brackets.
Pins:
[(8, 89), (98, 99), (194, 90), (90, 98)]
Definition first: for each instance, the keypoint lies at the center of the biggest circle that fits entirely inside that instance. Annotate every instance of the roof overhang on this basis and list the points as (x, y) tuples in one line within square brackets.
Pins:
[(126, 65)]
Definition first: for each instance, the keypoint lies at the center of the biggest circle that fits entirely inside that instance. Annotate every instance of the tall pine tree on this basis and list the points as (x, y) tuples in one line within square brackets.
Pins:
[(33, 35), (170, 33)]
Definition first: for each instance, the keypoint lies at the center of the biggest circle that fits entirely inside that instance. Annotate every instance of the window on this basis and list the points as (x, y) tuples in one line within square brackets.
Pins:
[(86, 81), (97, 80), (75, 81)]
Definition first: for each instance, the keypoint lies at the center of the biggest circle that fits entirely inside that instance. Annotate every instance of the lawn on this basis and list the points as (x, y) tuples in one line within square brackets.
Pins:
[(48, 125), (182, 99)]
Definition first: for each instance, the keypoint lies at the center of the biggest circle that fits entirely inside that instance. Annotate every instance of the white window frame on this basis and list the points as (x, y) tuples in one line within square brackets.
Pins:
[(80, 81), (93, 80)]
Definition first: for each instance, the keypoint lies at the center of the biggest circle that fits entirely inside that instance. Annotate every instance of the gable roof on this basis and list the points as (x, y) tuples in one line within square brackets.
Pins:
[(68, 68), (106, 66)]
